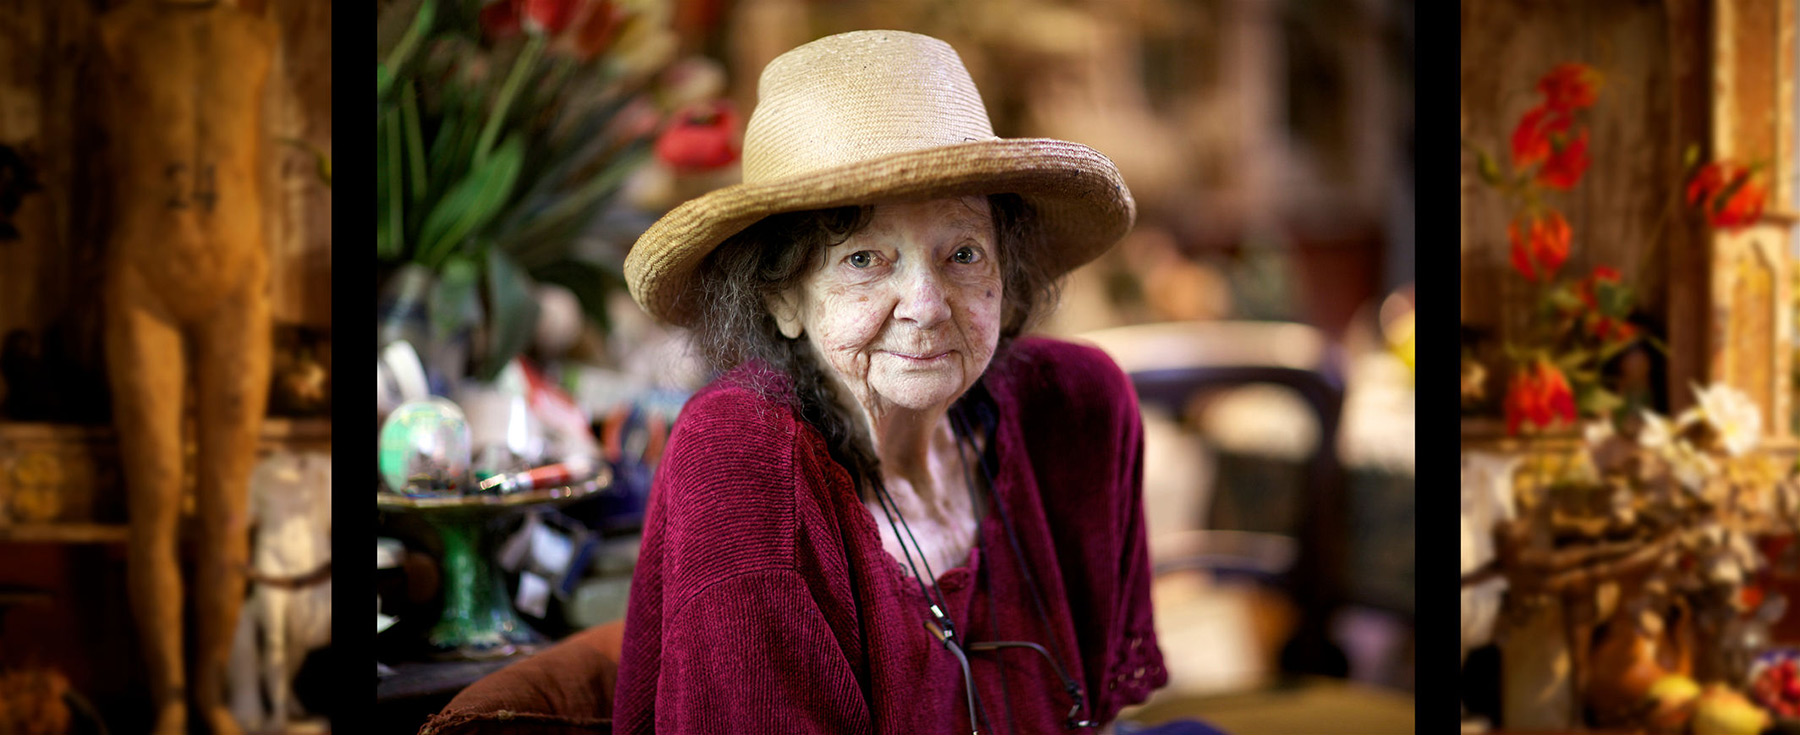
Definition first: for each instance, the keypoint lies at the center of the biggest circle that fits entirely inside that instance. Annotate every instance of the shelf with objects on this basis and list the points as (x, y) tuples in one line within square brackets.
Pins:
[(1629, 491), (523, 399)]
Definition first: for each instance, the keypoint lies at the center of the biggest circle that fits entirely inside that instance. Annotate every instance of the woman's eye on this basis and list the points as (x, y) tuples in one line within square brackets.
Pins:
[(965, 255), (862, 259)]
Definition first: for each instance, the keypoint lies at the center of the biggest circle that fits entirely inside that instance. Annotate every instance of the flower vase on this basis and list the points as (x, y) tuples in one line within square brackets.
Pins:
[(1536, 691), (404, 311)]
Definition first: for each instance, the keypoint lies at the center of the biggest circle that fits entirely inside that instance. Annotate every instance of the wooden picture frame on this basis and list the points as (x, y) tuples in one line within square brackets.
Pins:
[(1750, 312)]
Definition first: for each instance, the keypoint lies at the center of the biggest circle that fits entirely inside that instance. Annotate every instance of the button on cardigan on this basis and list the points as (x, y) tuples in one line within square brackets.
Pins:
[(763, 601)]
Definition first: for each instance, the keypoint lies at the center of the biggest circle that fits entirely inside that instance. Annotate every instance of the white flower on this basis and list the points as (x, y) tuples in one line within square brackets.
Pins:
[(1732, 414), (1597, 432), (1656, 433), (1692, 467)]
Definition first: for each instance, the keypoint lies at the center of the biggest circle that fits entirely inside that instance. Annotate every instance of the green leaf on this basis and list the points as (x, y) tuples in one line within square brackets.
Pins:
[(387, 247), (402, 53), (1597, 401), (1613, 299), (455, 300), (1490, 171), (521, 70), (1563, 299), (1690, 156), (565, 218), (395, 208), (1611, 349), (589, 282), (471, 204), (515, 313), (415, 144), (1573, 359)]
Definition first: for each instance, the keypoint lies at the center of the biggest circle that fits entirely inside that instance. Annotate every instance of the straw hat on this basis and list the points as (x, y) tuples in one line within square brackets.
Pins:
[(872, 116)]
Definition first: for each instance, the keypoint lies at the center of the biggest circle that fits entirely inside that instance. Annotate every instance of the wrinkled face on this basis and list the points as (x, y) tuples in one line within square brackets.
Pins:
[(906, 312)]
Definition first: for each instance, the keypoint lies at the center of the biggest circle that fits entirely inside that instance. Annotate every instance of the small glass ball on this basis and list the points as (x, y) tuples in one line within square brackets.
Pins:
[(424, 449)]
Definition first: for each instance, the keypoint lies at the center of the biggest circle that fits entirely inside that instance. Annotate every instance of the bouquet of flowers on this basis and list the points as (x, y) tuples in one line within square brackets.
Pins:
[(1578, 324), (503, 130)]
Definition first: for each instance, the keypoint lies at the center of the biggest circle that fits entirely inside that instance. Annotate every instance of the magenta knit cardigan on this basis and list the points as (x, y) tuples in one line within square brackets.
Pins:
[(763, 601)]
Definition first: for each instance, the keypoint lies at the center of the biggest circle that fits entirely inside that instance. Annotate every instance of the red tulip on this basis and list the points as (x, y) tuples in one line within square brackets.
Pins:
[(1541, 395), (1570, 87), (1727, 194), (701, 139), (593, 31), (549, 17), (1542, 248), (500, 19), (1568, 161)]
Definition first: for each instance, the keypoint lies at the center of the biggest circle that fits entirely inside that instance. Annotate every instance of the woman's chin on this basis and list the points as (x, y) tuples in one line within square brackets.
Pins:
[(920, 392)]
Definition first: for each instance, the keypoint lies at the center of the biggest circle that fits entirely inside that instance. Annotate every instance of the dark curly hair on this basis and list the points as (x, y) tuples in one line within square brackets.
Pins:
[(734, 325)]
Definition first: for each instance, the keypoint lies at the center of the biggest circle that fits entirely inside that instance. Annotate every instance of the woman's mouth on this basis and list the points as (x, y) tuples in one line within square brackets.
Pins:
[(921, 358)]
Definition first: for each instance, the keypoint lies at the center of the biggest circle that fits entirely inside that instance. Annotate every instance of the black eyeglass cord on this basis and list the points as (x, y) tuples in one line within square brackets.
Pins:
[(940, 625), (943, 629), (959, 421)]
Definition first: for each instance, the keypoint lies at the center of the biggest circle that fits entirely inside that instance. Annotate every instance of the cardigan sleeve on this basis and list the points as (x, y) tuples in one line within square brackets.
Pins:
[(752, 653), (1100, 535), (1134, 663)]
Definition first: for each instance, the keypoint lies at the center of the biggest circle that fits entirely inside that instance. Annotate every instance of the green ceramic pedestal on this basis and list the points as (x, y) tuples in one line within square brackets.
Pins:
[(478, 621)]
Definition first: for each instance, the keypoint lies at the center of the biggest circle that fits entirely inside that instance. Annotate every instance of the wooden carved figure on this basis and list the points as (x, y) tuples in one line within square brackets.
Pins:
[(186, 305)]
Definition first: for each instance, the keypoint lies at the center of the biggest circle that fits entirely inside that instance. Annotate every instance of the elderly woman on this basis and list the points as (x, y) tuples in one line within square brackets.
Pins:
[(890, 513)]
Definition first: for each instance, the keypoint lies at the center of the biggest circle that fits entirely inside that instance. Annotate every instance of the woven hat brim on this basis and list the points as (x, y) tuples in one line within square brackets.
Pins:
[(1082, 205)]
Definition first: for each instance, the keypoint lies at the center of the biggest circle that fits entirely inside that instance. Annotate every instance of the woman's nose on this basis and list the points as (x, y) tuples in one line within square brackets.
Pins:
[(923, 298)]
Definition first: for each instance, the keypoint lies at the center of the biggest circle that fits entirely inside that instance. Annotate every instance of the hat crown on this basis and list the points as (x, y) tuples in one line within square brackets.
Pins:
[(858, 96)]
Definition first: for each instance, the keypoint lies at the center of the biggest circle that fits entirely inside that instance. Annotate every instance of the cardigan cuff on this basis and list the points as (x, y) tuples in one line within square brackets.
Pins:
[(1137, 670)]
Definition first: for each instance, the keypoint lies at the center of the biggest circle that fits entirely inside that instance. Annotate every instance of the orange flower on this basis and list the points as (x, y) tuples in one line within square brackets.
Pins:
[(1570, 86), (1541, 395), (1544, 246), (1567, 162), (1727, 194)]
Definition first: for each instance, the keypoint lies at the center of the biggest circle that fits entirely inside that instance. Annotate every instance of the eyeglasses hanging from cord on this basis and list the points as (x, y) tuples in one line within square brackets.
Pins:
[(940, 625)]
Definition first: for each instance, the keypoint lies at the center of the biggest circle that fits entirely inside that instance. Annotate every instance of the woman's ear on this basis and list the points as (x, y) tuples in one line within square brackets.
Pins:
[(785, 307)]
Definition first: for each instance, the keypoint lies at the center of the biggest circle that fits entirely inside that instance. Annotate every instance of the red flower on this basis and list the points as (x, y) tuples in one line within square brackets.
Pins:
[(1744, 207), (1726, 194), (1531, 139), (500, 19), (701, 139), (594, 30), (1601, 273), (550, 16), (1608, 329), (1543, 247), (1570, 87), (1541, 395), (1567, 162)]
